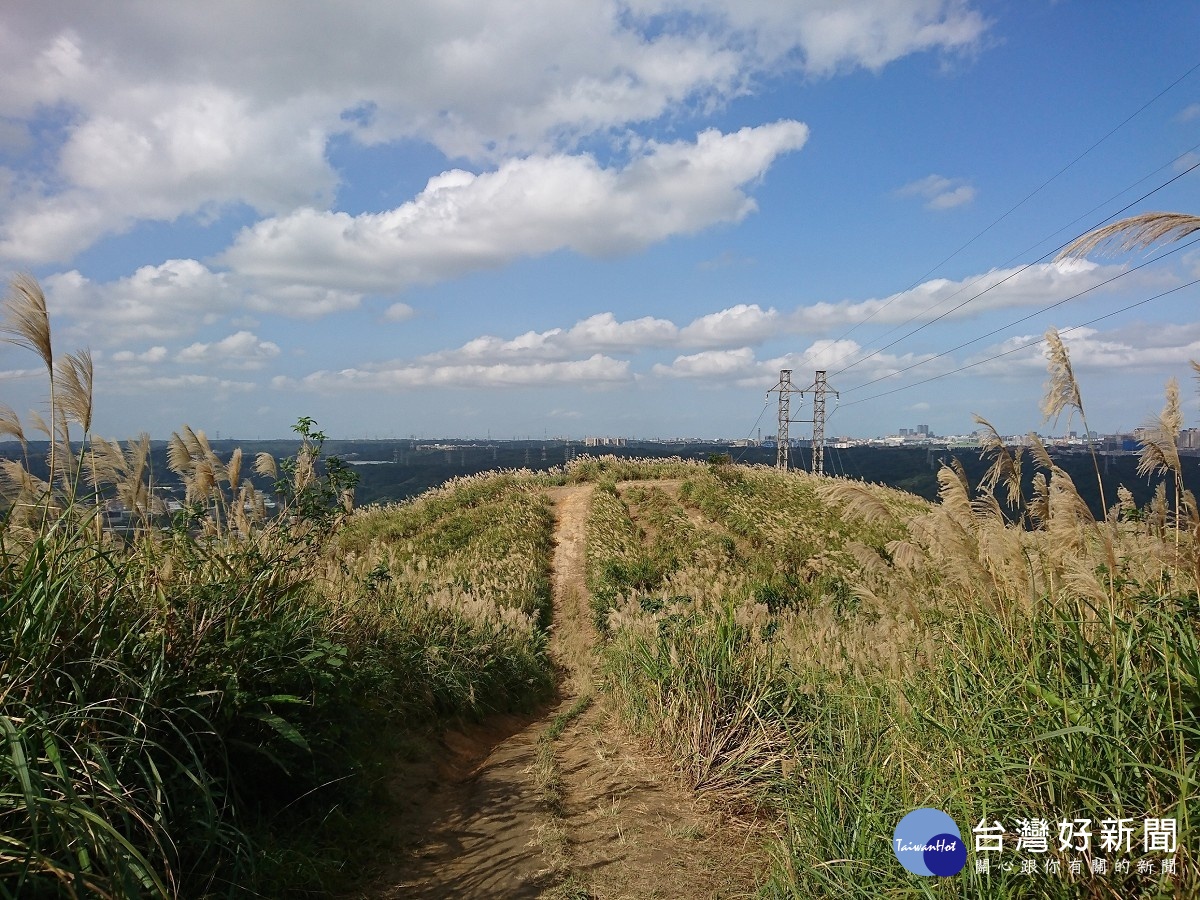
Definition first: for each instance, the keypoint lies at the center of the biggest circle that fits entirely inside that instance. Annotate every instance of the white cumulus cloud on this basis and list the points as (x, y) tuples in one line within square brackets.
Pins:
[(398, 312), (154, 355), (154, 303), (743, 323), (597, 370), (938, 192), (1034, 285), (175, 109), (1135, 348), (242, 350), (709, 364), (463, 222)]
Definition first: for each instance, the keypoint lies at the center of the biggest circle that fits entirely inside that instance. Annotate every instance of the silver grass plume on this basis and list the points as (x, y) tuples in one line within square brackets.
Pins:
[(26, 319), (905, 554), (855, 499), (106, 462), (1062, 390), (76, 375), (39, 424), (986, 508), (264, 465), (1005, 468), (191, 442), (1188, 501), (1067, 508), (1158, 509), (133, 489), (179, 458), (1040, 454), (1039, 503), (10, 424), (955, 493), (62, 444), (234, 469), (1125, 503), (27, 492), (16, 482), (1134, 233), (1160, 451)]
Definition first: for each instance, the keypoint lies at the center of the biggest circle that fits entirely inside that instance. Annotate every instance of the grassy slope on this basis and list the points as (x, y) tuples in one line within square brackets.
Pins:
[(194, 712), (836, 653), (845, 654), (209, 715)]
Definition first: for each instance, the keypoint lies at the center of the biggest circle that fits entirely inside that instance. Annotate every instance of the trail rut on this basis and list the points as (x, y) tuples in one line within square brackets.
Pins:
[(591, 814)]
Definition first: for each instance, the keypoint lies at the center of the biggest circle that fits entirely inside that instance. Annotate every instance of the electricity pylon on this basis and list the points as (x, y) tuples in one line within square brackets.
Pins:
[(782, 440), (819, 388)]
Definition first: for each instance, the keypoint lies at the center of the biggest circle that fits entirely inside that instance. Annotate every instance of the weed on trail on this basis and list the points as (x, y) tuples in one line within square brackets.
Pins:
[(198, 704)]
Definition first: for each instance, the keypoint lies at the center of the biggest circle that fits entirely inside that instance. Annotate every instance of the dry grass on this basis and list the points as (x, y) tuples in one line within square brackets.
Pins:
[(853, 652), (1134, 233), (197, 710)]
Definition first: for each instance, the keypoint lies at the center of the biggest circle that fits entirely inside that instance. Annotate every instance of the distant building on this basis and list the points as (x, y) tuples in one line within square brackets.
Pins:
[(605, 442)]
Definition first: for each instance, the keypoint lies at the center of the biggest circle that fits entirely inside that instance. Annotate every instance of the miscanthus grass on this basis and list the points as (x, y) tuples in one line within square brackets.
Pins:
[(199, 705), (837, 654)]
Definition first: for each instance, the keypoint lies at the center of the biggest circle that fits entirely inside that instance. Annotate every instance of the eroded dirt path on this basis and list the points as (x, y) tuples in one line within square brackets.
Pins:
[(508, 812)]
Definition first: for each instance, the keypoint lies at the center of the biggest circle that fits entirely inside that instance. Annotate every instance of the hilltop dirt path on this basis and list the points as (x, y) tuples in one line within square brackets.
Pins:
[(509, 812)]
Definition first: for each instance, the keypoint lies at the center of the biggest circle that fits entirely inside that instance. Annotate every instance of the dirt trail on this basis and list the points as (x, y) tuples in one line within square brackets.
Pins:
[(589, 815)]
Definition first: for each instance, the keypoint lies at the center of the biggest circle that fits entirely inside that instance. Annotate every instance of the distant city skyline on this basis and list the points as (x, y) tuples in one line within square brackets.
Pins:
[(597, 217)]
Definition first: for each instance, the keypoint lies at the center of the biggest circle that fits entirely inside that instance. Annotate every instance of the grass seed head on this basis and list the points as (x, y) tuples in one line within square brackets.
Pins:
[(26, 319)]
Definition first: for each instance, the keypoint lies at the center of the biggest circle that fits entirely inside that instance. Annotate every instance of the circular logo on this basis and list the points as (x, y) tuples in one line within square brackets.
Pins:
[(927, 842)]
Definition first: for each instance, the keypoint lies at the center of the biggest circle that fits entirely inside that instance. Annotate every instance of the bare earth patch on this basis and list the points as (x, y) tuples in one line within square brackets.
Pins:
[(508, 809)]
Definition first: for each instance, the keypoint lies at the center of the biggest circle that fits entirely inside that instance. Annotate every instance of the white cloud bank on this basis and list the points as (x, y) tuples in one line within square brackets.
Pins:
[(169, 109), (174, 300), (1022, 286), (595, 371), (242, 350), (178, 298), (313, 263), (742, 367), (463, 222), (1132, 349), (601, 332)]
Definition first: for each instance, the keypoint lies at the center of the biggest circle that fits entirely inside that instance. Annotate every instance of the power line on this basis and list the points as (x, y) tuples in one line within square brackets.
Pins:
[(1024, 268), (1060, 172), (749, 436), (849, 456), (1023, 319), (1025, 346), (1016, 206), (997, 284), (1182, 156)]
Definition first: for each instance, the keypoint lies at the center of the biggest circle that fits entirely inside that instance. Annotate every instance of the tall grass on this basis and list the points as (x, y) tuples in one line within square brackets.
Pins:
[(848, 653), (199, 708)]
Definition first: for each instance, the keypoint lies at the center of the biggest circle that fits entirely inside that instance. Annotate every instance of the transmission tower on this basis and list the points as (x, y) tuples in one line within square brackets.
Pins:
[(782, 440), (819, 388)]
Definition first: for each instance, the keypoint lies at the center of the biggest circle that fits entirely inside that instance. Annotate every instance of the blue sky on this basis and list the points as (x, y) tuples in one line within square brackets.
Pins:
[(595, 218)]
